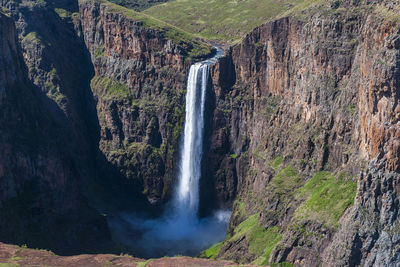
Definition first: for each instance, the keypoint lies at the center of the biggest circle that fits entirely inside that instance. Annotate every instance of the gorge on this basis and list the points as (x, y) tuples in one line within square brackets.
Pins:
[(180, 230), (298, 136)]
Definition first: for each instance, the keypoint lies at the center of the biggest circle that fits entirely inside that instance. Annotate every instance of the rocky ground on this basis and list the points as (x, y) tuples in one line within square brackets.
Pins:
[(13, 256)]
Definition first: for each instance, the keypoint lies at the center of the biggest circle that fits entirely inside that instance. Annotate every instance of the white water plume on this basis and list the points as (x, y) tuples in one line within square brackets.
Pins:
[(186, 201)]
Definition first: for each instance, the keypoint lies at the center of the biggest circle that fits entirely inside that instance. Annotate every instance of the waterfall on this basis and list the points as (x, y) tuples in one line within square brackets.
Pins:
[(179, 230), (187, 195), (186, 201)]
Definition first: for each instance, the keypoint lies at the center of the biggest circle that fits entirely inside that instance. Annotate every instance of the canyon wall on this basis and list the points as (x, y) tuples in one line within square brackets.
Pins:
[(139, 87), (41, 202), (313, 112), (110, 87)]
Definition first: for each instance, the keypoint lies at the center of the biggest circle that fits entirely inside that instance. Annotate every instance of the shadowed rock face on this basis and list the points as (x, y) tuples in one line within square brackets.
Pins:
[(41, 203), (65, 143), (141, 124), (108, 148)]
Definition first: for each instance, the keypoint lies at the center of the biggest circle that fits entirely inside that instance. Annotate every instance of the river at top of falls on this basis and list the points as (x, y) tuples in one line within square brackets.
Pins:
[(180, 231)]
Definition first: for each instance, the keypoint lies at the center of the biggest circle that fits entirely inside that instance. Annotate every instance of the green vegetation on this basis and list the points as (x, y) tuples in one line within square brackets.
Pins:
[(282, 264), (99, 51), (54, 93), (388, 14), (239, 208), (134, 153), (7, 264), (277, 162), (5, 11), (31, 37), (65, 14), (271, 102), (351, 108), (33, 4), (62, 13), (193, 44), (109, 89), (281, 189), (271, 239), (261, 240), (15, 258), (304, 5), (223, 20), (234, 156), (137, 5), (327, 198), (143, 263), (211, 252), (53, 90), (285, 181)]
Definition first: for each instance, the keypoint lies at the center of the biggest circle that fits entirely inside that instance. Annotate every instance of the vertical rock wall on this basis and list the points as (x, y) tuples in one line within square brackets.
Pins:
[(316, 91)]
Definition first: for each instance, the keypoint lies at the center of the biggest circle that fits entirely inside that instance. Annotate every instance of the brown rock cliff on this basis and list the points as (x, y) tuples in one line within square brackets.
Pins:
[(317, 90)]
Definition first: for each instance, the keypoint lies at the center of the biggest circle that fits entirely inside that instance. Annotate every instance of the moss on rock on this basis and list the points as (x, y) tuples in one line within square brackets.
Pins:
[(327, 197), (109, 88), (211, 252)]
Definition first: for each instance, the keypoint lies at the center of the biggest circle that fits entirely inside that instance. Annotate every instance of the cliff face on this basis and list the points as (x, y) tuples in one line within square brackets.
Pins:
[(108, 92), (369, 232), (40, 191), (139, 87), (8, 55), (314, 109)]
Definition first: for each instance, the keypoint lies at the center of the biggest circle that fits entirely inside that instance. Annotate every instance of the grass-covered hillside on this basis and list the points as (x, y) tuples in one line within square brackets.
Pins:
[(192, 44), (137, 5), (223, 20), (324, 199)]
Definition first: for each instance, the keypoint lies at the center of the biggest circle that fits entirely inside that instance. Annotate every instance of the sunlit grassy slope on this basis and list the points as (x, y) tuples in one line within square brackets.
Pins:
[(137, 5), (222, 20), (194, 46)]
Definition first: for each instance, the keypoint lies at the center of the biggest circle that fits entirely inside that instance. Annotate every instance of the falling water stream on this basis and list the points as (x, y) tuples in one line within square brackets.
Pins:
[(180, 231), (187, 195)]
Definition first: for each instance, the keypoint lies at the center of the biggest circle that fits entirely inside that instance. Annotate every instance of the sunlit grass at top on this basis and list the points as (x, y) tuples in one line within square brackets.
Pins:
[(195, 46), (222, 20)]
